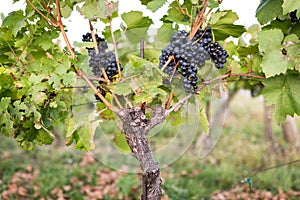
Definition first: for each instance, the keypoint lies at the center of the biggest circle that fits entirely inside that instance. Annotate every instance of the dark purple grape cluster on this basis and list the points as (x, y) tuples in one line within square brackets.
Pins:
[(188, 57), (217, 53), (294, 17), (104, 59)]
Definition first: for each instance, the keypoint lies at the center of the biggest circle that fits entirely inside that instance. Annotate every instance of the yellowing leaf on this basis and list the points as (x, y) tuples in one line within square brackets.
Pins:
[(203, 120)]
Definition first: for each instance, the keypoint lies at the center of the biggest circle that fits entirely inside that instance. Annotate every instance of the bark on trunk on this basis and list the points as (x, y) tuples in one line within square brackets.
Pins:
[(136, 128)]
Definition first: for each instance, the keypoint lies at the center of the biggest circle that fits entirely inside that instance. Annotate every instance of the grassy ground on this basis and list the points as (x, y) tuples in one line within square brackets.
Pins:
[(64, 173)]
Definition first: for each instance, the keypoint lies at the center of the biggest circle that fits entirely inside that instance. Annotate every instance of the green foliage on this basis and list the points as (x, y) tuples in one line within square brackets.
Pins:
[(291, 5), (273, 62), (36, 73), (93, 10), (282, 91), (268, 10), (223, 27), (155, 4)]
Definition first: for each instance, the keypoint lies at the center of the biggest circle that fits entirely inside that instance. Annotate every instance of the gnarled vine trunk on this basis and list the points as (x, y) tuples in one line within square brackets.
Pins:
[(136, 127)]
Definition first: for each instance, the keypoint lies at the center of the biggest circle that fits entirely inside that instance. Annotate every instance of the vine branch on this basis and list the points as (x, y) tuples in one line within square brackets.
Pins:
[(55, 24), (178, 105)]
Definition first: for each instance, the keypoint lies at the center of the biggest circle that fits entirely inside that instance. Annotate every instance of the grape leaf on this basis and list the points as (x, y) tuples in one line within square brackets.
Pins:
[(291, 5), (203, 120), (273, 63), (140, 65), (164, 33), (44, 137), (121, 143), (6, 124), (292, 46), (213, 3), (98, 9), (283, 91), (15, 20), (268, 10), (66, 11), (4, 103), (174, 15), (120, 88), (70, 127), (135, 19), (85, 133), (155, 4), (270, 40), (223, 27), (224, 17)]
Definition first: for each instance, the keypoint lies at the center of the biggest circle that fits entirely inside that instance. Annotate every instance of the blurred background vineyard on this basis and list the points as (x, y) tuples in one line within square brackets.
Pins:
[(60, 172)]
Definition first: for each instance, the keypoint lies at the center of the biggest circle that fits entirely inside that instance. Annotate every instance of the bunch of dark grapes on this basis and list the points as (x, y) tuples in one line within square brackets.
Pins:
[(294, 17), (217, 53), (187, 57), (104, 59)]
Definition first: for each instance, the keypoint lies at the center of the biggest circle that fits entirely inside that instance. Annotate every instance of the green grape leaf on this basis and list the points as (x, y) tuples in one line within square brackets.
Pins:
[(120, 141), (273, 63), (6, 124), (151, 91), (44, 40), (16, 20), (155, 4), (55, 80), (223, 27), (120, 88), (66, 11), (203, 120), (268, 10), (85, 133), (44, 137), (223, 17), (69, 78), (270, 40), (291, 5), (292, 45), (213, 3), (98, 9), (145, 2), (105, 113), (174, 15), (4, 103), (283, 91), (141, 65), (164, 33), (135, 19)]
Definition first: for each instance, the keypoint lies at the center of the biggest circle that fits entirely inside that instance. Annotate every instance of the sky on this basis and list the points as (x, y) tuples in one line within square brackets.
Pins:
[(78, 26)]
